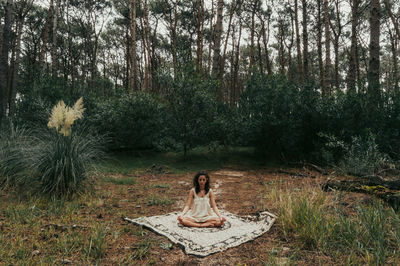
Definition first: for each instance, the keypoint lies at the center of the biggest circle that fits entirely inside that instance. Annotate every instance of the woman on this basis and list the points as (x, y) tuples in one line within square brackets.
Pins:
[(197, 211)]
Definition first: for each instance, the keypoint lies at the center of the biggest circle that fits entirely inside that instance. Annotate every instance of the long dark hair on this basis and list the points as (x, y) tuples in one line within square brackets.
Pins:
[(196, 181)]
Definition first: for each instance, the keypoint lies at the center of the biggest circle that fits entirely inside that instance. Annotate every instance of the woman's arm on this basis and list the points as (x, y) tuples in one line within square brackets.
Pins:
[(188, 203), (213, 205)]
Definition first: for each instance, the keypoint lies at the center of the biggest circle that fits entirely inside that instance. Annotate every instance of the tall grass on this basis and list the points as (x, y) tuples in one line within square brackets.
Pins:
[(64, 163), (317, 222), (15, 149), (50, 162)]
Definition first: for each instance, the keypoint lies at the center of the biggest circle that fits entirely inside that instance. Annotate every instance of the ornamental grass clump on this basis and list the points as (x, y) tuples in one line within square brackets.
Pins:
[(64, 157), (15, 148)]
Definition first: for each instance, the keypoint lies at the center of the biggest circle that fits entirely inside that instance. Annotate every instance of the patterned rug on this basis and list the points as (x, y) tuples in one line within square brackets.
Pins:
[(205, 241)]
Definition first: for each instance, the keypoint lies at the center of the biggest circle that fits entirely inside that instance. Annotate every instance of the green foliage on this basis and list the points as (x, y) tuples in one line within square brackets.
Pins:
[(157, 200), (97, 245), (270, 116), (362, 157), (192, 105), (131, 121), (121, 181)]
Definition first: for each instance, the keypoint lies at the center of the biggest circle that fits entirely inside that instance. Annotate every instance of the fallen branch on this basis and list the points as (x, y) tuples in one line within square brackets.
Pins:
[(310, 165), (379, 188), (295, 174)]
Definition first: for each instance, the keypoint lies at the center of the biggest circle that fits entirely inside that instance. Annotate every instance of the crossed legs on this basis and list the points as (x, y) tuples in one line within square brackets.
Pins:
[(213, 222)]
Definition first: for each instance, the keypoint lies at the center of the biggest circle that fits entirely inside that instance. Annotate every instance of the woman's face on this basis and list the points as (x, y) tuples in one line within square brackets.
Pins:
[(202, 181)]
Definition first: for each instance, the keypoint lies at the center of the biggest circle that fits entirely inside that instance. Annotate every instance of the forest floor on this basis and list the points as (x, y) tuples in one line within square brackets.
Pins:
[(90, 228)]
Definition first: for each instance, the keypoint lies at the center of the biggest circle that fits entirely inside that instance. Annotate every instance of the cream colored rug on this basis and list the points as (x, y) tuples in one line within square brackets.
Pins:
[(205, 241)]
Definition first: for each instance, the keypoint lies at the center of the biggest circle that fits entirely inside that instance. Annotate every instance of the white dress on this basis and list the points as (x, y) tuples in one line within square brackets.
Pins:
[(200, 210)]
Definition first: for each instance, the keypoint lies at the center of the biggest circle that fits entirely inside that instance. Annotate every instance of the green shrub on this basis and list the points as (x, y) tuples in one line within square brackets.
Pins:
[(362, 157), (131, 121)]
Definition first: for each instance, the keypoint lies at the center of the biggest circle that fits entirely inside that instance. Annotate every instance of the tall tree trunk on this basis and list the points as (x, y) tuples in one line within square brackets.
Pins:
[(394, 44), (210, 42), (351, 75), (265, 41), (395, 23), (374, 62), (226, 42), (217, 47), (132, 51), (147, 53), (200, 35), (236, 68), (260, 61), (46, 31), (319, 45), (328, 66), (281, 50), (299, 62), (172, 25), (251, 56), (337, 35), (54, 45), (232, 67), (1, 37), (305, 41), (15, 67), (4, 67)]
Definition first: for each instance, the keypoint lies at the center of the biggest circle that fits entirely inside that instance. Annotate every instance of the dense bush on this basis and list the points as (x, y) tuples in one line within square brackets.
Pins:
[(193, 110), (131, 121), (276, 117)]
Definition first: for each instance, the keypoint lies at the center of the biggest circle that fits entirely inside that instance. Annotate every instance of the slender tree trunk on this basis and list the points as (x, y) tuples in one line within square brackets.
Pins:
[(305, 41), (281, 50), (260, 61), (46, 31), (132, 51), (1, 37), (232, 69), (374, 47), (147, 54), (328, 86), (319, 45), (15, 68), (395, 23), (4, 67), (299, 61), (236, 72), (394, 44), (351, 75), (200, 35), (265, 41), (54, 44), (210, 42), (337, 35), (226, 43), (217, 47), (251, 56)]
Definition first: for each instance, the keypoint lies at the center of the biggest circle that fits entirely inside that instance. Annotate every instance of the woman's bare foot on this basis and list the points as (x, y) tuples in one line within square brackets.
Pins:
[(207, 224), (180, 219)]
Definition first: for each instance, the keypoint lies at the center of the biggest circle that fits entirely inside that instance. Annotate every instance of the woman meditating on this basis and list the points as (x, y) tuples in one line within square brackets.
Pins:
[(197, 212)]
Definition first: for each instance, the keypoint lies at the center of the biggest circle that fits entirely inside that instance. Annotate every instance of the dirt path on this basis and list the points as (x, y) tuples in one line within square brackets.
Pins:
[(237, 191)]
